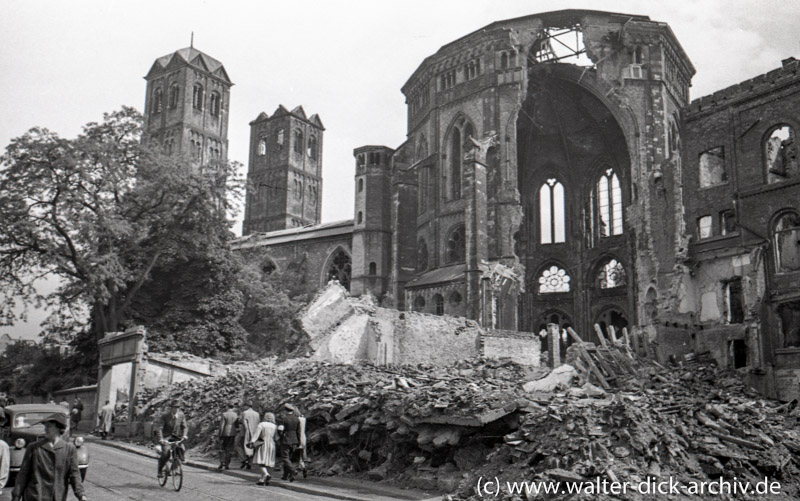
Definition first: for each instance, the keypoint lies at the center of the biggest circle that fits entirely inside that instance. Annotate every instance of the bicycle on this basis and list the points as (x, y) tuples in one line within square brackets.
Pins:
[(173, 467)]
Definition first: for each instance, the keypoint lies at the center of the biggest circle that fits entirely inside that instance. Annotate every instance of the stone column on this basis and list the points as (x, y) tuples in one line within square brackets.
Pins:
[(553, 346)]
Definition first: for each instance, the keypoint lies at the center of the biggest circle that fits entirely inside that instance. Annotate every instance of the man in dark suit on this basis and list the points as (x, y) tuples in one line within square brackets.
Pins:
[(288, 442), (172, 427)]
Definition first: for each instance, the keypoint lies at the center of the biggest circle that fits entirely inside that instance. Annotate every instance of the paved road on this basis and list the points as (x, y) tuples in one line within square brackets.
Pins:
[(116, 475)]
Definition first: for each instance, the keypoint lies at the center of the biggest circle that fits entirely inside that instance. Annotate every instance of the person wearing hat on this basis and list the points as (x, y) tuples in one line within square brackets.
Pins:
[(173, 427), (49, 466)]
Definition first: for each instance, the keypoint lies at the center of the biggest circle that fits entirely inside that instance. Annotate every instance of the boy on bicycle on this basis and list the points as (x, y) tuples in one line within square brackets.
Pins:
[(171, 427)]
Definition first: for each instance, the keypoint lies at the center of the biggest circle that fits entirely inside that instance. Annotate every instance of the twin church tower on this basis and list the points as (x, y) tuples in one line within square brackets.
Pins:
[(186, 110)]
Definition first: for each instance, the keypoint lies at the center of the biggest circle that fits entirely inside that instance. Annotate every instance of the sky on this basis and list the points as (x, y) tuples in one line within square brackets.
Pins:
[(64, 64)]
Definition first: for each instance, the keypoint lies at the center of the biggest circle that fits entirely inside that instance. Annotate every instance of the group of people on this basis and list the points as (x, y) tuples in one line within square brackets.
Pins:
[(266, 442)]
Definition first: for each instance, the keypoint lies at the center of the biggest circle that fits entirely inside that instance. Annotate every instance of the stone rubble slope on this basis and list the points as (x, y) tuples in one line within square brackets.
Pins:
[(445, 427)]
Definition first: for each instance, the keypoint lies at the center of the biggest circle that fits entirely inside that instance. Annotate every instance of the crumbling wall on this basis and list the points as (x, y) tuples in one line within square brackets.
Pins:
[(521, 347)]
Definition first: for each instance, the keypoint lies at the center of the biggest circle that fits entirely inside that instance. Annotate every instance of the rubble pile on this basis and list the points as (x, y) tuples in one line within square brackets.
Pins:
[(445, 427)]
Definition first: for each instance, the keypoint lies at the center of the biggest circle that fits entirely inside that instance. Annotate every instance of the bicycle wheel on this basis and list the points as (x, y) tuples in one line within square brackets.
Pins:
[(177, 474), (162, 480)]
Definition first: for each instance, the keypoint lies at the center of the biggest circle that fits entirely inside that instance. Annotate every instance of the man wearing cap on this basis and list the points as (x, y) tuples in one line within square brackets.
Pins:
[(172, 428), (49, 466)]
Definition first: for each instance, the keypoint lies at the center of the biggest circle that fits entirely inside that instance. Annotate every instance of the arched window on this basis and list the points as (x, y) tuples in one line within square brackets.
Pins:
[(419, 304), (215, 104), (197, 97), (455, 249), (455, 165), (262, 147), (438, 304), (360, 185), (608, 207), (340, 268), (786, 241), (373, 268), (158, 101), (360, 217), (552, 221), (611, 275), (174, 92), (553, 279), (298, 141), (279, 139), (503, 61), (422, 255), (312, 147), (780, 154)]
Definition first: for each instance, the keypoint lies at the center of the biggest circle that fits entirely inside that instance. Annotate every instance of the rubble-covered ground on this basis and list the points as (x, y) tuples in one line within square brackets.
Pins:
[(447, 427)]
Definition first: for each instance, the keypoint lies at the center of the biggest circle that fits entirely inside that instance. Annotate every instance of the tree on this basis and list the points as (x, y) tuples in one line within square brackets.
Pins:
[(103, 212)]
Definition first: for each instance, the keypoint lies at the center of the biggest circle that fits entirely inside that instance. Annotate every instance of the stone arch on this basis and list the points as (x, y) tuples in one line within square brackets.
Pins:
[(338, 266)]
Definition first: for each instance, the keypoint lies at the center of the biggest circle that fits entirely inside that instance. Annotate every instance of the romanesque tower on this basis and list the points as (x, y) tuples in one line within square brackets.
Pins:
[(284, 177), (186, 106), (372, 234)]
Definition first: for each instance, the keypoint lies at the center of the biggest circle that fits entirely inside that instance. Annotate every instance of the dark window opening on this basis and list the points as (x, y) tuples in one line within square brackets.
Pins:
[(739, 353), (373, 269), (360, 217), (789, 315), (419, 304), (734, 301), (438, 304), (197, 97)]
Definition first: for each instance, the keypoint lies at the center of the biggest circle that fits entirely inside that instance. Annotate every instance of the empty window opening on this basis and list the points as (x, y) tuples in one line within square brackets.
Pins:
[(786, 241), (739, 347), (312, 147), (173, 95), (262, 147), (279, 139), (360, 185), (552, 220), (780, 154), (158, 98), (734, 301), (360, 217), (215, 104), (789, 317), (712, 167), (704, 226), (298, 141), (373, 268), (560, 45), (197, 97), (340, 269), (727, 222), (553, 279), (438, 304)]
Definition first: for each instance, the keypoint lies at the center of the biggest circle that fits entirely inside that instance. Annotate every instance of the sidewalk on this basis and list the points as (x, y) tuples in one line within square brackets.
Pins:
[(344, 488)]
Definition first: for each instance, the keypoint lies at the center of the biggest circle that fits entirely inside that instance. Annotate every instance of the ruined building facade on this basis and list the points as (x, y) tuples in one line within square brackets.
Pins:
[(555, 171)]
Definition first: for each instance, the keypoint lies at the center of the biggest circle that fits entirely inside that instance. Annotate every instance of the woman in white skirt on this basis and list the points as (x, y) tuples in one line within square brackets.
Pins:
[(264, 445)]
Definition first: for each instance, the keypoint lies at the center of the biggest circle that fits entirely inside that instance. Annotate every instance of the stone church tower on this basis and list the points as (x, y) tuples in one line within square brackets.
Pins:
[(186, 105), (284, 177)]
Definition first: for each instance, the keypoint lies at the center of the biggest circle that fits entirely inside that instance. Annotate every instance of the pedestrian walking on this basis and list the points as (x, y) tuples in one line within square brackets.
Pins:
[(250, 421), (288, 442), (302, 451), (106, 417), (49, 466), (76, 413), (227, 435), (264, 447)]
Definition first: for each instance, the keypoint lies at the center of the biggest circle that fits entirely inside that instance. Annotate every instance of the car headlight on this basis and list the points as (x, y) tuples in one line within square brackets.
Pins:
[(19, 443), (78, 441)]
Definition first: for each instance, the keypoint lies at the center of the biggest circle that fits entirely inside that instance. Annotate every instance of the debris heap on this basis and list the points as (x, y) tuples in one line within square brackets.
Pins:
[(446, 427)]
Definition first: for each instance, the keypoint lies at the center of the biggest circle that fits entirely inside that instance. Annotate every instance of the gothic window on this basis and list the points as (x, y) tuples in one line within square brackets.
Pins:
[(298, 141), (734, 301), (312, 147), (553, 279), (780, 154), (262, 147), (373, 268), (455, 165), (704, 227), (158, 98), (609, 205), (197, 97), (552, 222), (712, 167), (215, 104), (339, 269), (419, 304), (786, 241), (455, 249), (173, 95), (422, 255), (612, 274), (438, 304), (279, 138)]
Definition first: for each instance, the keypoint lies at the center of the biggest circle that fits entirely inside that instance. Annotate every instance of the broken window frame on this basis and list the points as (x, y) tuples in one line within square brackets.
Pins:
[(785, 230), (733, 291), (785, 152), (705, 227), (553, 46), (712, 173)]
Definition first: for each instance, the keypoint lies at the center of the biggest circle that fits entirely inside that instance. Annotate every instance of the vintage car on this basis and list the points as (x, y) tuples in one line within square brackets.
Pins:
[(22, 427)]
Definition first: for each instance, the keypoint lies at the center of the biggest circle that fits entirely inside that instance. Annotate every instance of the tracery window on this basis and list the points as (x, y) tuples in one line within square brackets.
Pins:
[(612, 274), (455, 249), (422, 255), (552, 221), (340, 269), (607, 205), (780, 154), (786, 241), (553, 279)]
